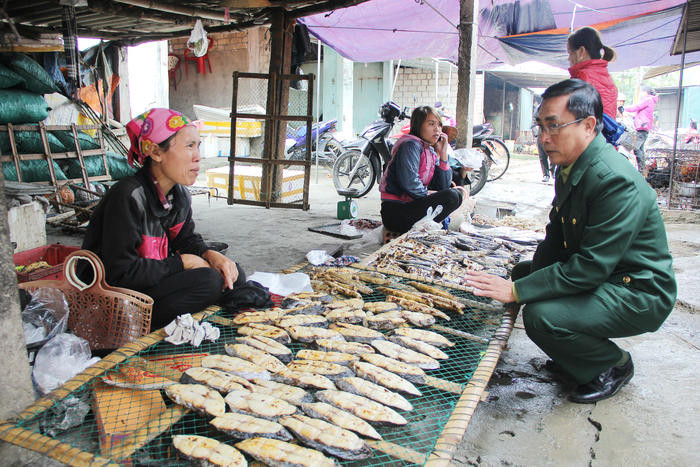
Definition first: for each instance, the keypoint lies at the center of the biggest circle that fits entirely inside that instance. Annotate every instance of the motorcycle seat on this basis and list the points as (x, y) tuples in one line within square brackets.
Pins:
[(478, 129)]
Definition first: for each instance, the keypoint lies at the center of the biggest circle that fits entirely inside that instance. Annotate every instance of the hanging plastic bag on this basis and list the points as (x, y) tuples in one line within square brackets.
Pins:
[(428, 222), (198, 42)]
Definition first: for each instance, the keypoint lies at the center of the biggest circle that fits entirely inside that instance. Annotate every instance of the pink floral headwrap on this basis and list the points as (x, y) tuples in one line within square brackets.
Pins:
[(151, 128)]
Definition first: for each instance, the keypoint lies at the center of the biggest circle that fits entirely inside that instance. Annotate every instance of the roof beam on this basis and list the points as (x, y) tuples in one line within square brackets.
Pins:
[(178, 10)]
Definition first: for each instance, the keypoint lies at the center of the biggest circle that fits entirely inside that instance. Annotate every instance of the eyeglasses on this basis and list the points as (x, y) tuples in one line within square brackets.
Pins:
[(552, 130)]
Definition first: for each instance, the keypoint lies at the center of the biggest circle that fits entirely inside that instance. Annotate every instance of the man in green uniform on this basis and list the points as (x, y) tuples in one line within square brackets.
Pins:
[(604, 269)]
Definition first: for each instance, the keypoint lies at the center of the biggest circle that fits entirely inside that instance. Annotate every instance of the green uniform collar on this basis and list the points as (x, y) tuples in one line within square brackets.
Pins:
[(575, 171)]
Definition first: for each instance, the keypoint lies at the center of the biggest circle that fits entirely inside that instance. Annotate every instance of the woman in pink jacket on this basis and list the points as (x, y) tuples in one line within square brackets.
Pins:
[(643, 123)]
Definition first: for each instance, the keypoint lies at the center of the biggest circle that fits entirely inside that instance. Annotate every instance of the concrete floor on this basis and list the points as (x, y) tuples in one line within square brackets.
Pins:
[(526, 419)]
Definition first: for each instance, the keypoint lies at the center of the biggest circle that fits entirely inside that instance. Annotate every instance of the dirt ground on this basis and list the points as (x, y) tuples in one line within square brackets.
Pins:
[(526, 419)]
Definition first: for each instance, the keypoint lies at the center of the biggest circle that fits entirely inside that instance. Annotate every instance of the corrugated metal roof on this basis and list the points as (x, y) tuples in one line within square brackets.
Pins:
[(692, 16)]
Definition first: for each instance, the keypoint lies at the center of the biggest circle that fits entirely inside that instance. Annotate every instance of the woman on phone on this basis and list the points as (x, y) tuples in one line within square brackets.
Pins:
[(418, 176)]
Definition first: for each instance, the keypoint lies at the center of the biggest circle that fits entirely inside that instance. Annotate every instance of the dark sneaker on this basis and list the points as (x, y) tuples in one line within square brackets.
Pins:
[(604, 385)]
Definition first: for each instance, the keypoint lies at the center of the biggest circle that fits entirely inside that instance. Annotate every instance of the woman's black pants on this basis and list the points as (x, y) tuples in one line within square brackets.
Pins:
[(400, 217)]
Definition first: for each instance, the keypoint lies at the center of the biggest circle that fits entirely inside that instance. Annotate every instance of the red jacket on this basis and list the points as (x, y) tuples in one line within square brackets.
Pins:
[(596, 73)]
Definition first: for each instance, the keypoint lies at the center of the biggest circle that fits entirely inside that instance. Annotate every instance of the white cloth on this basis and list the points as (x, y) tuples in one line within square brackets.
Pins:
[(184, 329)]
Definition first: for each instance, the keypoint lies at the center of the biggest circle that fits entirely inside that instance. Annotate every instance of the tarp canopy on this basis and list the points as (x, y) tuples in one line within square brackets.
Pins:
[(510, 31)]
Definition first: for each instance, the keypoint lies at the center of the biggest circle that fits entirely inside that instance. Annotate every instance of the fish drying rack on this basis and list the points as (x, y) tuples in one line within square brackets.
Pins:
[(436, 425)]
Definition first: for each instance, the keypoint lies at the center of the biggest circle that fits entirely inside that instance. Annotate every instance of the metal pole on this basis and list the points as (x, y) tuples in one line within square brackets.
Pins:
[(396, 76), (318, 98), (437, 79), (678, 107)]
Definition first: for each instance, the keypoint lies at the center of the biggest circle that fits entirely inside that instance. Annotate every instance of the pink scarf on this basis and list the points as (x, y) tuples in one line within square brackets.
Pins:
[(151, 128)]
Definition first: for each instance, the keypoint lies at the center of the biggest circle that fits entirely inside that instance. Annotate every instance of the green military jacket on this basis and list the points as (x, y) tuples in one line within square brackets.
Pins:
[(605, 236)]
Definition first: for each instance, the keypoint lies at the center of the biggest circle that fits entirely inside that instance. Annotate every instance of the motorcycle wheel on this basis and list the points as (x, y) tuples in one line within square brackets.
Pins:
[(331, 152), (353, 169), (500, 157), (478, 178)]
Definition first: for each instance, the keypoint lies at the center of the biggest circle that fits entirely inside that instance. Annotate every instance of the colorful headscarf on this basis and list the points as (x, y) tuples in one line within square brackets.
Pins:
[(151, 128)]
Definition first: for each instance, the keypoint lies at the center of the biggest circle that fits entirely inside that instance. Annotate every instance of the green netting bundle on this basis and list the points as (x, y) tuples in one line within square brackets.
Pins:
[(36, 79), (32, 171), (8, 78), (4, 143), (17, 106), (85, 140), (29, 142), (118, 166)]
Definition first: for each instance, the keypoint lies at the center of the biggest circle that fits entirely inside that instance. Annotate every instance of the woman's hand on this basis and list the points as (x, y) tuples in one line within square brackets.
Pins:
[(487, 285), (226, 267), (193, 262), (441, 147)]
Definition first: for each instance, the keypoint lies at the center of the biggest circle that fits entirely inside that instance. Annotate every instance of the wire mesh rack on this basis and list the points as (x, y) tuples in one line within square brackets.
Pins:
[(130, 421)]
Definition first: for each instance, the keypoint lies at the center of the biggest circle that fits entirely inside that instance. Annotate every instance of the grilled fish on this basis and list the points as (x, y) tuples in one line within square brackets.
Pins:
[(302, 320), (386, 320), (347, 303), (354, 333), (326, 437), (280, 453), (419, 346), (197, 397), (362, 407), (303, 380), (408, 372), (365, 388), (346, 315), (259, 405), (383, 377), (215, 379), (265, 330), (432, 338), (291, 394), (208, 451), (380, 307), (353, 348), (291, 299), (341, 418), (331, 371), (268, 345), (416, 318), (235, 366), (306, 308), (242, 426), (255, 356), (373, 277), (264, 316), (401, 353), (311, 333), (418, 307), (340, 358)]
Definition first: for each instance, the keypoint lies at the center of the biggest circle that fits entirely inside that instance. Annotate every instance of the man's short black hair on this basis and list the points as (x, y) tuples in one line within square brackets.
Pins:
[(584, 100)]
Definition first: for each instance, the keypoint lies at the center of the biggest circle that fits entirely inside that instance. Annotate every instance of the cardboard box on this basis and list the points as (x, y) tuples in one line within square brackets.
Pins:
[(246, 181)]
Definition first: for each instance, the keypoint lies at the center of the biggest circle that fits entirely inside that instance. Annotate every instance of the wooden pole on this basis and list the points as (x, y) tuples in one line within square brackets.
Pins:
[(466, 71)]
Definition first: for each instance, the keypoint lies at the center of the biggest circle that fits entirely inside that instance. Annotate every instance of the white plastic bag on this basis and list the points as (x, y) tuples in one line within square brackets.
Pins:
[(469, 157), (283, 284), (318, 257), (198, 42), (47, 311), (59, 360), (428, 222)]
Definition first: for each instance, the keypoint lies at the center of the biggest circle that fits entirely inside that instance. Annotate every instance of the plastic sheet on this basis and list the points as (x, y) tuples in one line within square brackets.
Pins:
[(283, 284), (59, 360), (46, 313)]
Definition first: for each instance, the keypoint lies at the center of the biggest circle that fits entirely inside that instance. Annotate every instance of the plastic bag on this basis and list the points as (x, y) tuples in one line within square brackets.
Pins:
[(59, 360), (283, 284), (64, 415), (48, 311), (428, 222), (468, 157), (318, 257), (198, 42)]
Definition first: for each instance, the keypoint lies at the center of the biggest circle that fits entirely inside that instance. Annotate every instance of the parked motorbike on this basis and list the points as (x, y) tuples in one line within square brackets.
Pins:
[(295, 144)]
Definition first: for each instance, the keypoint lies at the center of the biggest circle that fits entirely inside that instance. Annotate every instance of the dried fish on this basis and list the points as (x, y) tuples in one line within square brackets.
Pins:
[(263, 317), (430, 337), (302, 320), (268, 345), (411, 373), (197, 397), (340, 418), (307, 308), (346, 315), (373, 391), (419, 346), (208, 451), (303, 380), (259, 405), (331, 371), (405, 355), (353, 348), (362, 407), (418, 319), (265, 330), (355, 333), (416, 297), (256, 356), (311, 333), (235, 366), (386, 320), (380, 307), (373, 277), (280, 453), (291, 300), (423, 287), (347, 303), (340, 358), (418, 307), (384, 378), (215, 379), (326, 437), (291, 394), (242, 426)]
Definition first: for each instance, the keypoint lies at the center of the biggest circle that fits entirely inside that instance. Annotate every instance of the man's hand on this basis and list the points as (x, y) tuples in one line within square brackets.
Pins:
[(487, 285), (193, 261), (226, 267)]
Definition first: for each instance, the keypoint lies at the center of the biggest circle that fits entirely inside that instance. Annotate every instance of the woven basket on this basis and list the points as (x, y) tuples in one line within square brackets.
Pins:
[(107, 317)]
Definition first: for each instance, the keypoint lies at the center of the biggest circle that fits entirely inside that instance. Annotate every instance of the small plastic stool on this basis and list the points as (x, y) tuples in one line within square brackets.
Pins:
[(348, 209), (388, 235)]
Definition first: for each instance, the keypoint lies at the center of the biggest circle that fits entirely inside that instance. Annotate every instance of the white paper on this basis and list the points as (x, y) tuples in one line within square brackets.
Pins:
[(283, 284)]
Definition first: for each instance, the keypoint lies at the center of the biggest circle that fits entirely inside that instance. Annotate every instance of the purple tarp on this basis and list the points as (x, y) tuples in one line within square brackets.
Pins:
[(380, 30)]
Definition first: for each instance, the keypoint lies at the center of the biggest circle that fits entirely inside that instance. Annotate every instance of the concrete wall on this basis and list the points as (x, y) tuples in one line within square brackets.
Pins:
[(245, 51)]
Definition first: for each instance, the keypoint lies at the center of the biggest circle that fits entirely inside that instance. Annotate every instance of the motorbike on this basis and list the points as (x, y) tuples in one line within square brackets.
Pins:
[(363, 162), (295, 144)]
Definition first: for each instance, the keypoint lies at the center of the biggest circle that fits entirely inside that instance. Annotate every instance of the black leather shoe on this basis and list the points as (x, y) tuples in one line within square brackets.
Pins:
[(552, 366), (604, 385)]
